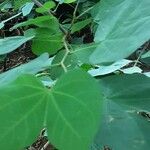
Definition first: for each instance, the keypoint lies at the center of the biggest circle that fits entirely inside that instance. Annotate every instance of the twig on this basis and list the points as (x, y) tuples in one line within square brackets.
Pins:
[(84, 12), (143, 49), (12, 17), (65, 55), (74, 14), (56, 8)]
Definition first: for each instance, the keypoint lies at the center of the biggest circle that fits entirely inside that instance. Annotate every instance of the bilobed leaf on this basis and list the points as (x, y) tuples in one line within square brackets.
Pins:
[(123, 127), (63, 110), (9, 44), (123, 26)]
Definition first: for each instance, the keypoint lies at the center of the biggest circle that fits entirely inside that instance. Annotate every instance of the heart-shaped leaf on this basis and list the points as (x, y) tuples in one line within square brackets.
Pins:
[(70, 114)]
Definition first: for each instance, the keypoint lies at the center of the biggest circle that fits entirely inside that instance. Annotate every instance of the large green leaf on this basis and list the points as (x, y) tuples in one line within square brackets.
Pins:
[(11, 43), (123, 128), (70, 111), (76, 96), (123, 27)]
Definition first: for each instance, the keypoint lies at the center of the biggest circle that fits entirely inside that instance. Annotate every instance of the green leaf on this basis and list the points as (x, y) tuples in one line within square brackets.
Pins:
[(79, 25), (131, 70), (45, 41), (123, 26), (31, 67), (1, 25), (103, 70), (72, 101), (27, 8), (63, 110), (123, 128), (42, 21), (146, 58), (19, 104), (9, 44), (3, 3), (146, 55), (46, 7)]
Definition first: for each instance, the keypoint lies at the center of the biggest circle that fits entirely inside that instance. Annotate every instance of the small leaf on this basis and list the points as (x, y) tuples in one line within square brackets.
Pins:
[(1, 25), (27, 8), (42, 21), (132, 70), (103, 70), (9, 44), (44, 41), (79, 25), (46, 7)]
